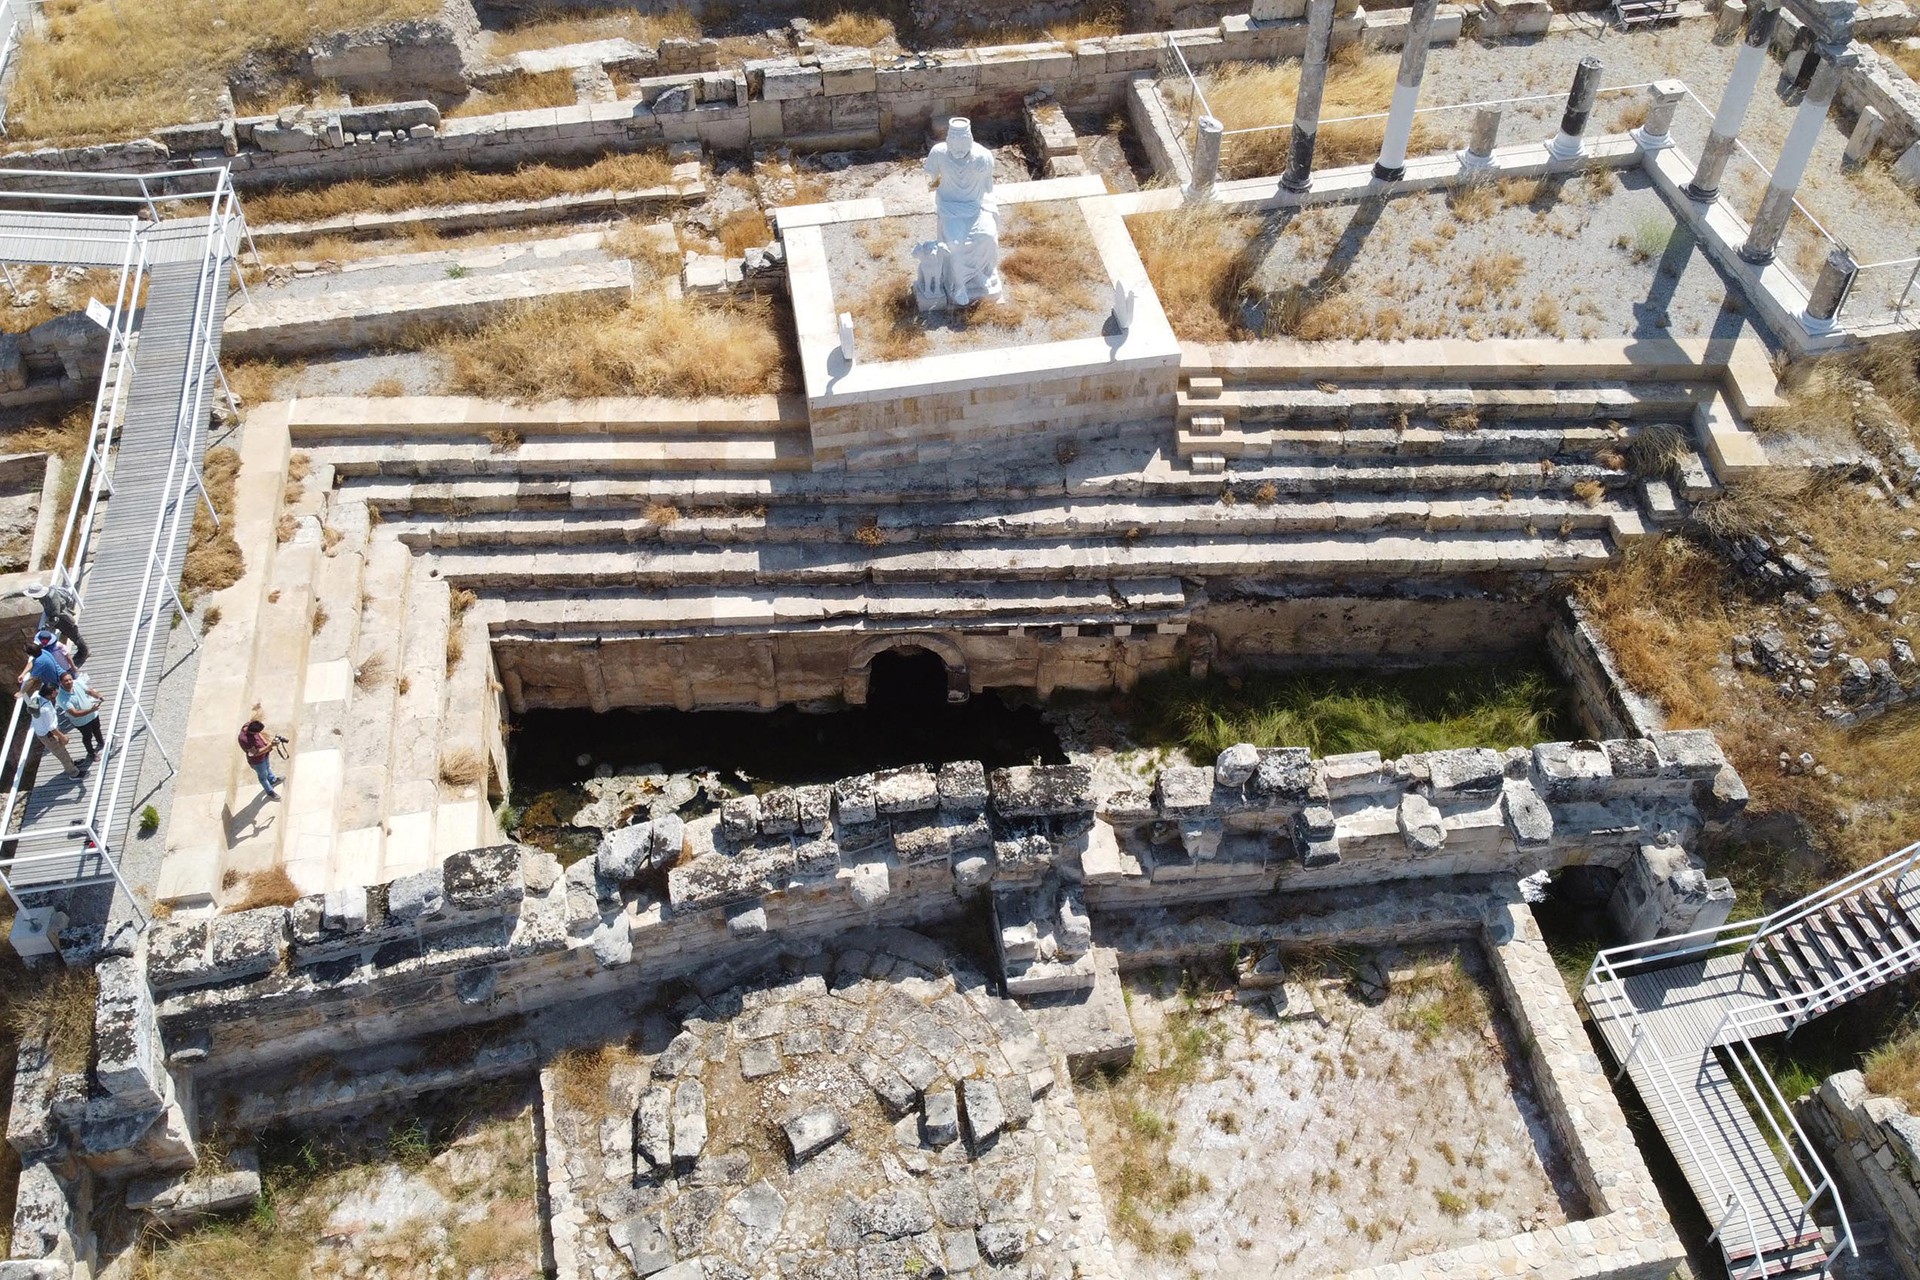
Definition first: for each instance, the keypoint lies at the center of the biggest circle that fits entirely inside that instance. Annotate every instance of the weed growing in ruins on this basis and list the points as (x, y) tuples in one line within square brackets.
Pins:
[(372, 671), (854, 29), (269, 888), (213, 560), (462, 767), (1196, 257), (95, 69), (1589, 491), (521, 91), (1330, 712), (58, 1007), (1246, 95), (1894, 1070), (504, 440), (625, 171)]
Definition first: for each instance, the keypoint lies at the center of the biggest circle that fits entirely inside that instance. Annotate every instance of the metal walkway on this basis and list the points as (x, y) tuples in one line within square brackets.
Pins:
[(132, 513), (1681, 1014)]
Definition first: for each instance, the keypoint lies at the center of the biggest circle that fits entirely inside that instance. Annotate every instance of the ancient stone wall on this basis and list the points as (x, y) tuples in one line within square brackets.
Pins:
[(1872, 1145), (835, 101)]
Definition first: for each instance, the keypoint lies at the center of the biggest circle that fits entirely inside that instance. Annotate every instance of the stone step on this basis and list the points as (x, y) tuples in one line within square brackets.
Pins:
[(1376, 555), (534, 614), (1096, 518), (1422, 440), (255, 653), (352, 319), (1251, 401), (568, 456), (390, 420)]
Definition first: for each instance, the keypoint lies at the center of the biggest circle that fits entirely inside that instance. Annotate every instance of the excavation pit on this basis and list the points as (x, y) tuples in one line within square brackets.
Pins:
[(1322, 1125)]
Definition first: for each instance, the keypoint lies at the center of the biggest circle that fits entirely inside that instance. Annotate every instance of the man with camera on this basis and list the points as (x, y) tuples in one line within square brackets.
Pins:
[(259, 748)]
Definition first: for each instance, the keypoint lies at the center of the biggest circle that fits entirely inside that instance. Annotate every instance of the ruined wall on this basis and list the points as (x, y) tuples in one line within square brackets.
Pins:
[(1872, 1145), (841, 100), (1347, 630)]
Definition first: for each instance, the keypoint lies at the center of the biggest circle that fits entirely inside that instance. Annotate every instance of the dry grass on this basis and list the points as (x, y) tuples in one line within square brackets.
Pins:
[(1546, 316), (504, 440), (1250, 95), (660, 514), (1196, 258), (584, 1077), (1908, 60), (745, 229), (858, 30), (1894, 1070), (372, 671), (256, 381), (269, 888), (656, 347), (112, 69), (51, 297), (58, 1006), (521, 91), (578, 27), (214, 562), (462, 767), (623, 172), (1473, 202), (1589, 491), (1628, 115), (1044, 261), (1663, 610)]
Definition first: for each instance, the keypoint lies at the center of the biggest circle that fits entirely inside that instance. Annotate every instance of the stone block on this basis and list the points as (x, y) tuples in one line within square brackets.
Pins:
[(249, 942), (813, 1131), (939, 1117), (813, 807), (850, 71), (1688, 753), (946, 836), (1527, 816), (779, 812), (1570, 770), (689, 1122), (912, 789), (126, 1036), (740, 818), (484, 879), (985, 1115), (963, 786), (416, 898), (1420, 823), (1185, 789), (344, 910), (1284, 776), (177, 953), (782, 81), (869, 884), (1234, 766), (1042, 790), (1465, 770), (854, 802)]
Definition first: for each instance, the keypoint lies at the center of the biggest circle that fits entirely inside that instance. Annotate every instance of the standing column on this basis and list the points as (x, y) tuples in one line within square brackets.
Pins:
[(1208, 136), (1580, 99), (1306, 104), (1777, 205), (1486, 131), (1761, 20), (1392, 165), (1829, 291)]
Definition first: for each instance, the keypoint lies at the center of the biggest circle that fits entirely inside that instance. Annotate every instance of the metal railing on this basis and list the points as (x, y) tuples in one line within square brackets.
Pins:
[(1880, 279), (51, 840)]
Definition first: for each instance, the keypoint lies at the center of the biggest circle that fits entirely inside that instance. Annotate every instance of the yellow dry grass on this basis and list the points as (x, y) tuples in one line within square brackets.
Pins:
[(583, 1077), (654, 346), (1196, 258), (858, 30), (52, 298), (1893, 1070), (269, 888), (1247, 95), (624, 172), (214, 562), (521, 91), (57, 1006), (1044, 262), (580, 26), (103, 69), (744, 229)]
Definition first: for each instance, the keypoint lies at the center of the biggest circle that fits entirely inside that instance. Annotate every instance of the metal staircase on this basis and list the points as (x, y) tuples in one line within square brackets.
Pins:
[(1680, 1016), (1637, 13)]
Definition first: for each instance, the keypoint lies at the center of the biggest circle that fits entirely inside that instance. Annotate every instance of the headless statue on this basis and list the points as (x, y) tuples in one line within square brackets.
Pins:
[(963, 265)]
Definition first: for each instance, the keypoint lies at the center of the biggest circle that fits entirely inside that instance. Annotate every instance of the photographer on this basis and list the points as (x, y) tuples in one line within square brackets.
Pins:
[(259, 748)]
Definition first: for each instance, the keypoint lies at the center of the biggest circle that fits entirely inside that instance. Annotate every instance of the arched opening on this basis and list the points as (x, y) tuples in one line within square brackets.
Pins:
[(906, 679)]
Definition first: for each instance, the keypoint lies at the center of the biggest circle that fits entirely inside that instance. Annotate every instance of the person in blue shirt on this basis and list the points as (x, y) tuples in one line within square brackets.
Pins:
[(49, 663)]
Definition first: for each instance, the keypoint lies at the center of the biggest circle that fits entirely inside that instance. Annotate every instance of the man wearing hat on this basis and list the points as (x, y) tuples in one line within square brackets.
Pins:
[(57, 604)]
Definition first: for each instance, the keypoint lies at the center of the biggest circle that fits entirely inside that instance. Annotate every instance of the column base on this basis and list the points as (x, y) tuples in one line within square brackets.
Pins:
[(1383, 174), (1564, 147), (1471, 162), (1299, 186), (1702, 195), (1817, 327), (1192, 193), (1651, 142), (1755, 257)]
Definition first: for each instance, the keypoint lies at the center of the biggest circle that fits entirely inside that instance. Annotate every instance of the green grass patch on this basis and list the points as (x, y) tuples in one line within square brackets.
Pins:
[(1329, 712)]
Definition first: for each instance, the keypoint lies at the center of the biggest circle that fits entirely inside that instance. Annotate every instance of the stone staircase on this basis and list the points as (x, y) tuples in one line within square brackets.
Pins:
[(393, 751)]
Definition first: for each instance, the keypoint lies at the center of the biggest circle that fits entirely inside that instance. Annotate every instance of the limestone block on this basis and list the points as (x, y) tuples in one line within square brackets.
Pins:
[(779, 812), (1571, 771), (1688, 753), (813, 1131), (249, 942), (1073, 927), (1185, 789), (177, 953), (784, 80), (912, 789), (854, 802), (813, 806), (1465, 770), (740, 818), (963, 786), (1022, 854), (484, 879), (184, 1197), (126, 1036), (612, 942), (1906, 170), (1527, 816), (653, 1127), (1041, 790), (689, 1121), (847, 71), (868, 882), (417, 897), (42, 1214), (1665, 890), (984, 1113), (1284, 776), (1420, 823), (939, 1117), (344, 910), (1200, 837), (1632, 757), (944, 837)]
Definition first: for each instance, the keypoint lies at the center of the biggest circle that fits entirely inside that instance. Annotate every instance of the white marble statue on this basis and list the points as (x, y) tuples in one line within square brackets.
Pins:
[(963, 265)]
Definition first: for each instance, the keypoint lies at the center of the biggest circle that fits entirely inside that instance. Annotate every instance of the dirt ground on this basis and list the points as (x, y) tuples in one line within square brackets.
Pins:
[(446, 1192), (1340, 1130)]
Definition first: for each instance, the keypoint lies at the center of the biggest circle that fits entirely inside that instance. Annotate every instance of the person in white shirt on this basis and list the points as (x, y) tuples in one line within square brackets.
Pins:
[(46, 728)]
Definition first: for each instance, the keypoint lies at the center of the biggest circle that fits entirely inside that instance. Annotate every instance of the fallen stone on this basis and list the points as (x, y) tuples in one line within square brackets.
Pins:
[(811, 1132), (1234, 766), (894, 1214), (417, 896), (689, 1121), (869, 884), (985, 1116), (1002, 1242), (653, 1128), (939, 1118), (647, 1246), (1420, 824), (895, 1094), (758, 1058)]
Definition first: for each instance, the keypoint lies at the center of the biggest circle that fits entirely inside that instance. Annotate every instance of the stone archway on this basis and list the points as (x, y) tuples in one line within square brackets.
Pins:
[(860, 664)]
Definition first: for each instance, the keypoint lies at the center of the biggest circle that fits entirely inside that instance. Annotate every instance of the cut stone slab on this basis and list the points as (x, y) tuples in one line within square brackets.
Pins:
[(939, 1118), (985, 1116), (811, 1132), (689, 1121), (758, 1058), (647, 1246), (1091, 1027), (653, 1127)]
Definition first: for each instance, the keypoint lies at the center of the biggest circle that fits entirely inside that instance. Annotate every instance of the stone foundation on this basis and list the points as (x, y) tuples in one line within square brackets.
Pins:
[(1872, 1145)]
